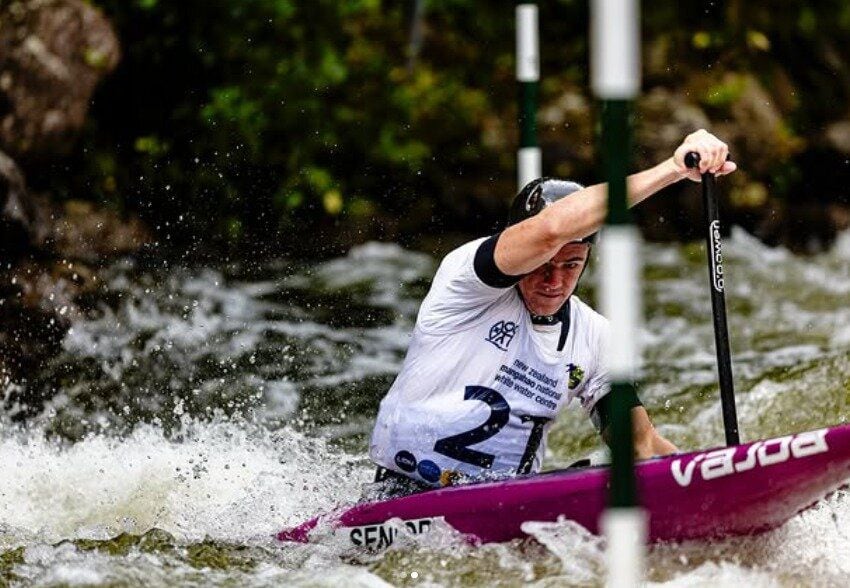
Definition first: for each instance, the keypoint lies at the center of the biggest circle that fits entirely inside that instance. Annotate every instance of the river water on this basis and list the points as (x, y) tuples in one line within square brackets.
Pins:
[(194, 412)]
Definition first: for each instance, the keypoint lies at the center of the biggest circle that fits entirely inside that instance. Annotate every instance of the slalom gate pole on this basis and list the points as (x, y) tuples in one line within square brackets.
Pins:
[(615, 77), (528, 76), (718, 301), (415, 44)]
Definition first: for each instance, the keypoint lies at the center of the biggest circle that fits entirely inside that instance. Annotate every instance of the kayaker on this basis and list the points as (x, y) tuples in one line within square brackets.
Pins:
[(501, 343)]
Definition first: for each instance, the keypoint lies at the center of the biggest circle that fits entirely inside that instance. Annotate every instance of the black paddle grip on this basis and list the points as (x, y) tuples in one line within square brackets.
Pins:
[(692, 159)]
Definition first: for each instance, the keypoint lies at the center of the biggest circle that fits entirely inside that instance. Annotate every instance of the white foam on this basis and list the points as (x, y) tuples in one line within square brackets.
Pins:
[(64, 564), (813, 547), (385, 267), (582, 554), (720, 575), (221, 479)]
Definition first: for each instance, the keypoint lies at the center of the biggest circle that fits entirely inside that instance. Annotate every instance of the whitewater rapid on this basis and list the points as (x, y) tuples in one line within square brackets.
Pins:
[(196, 411)]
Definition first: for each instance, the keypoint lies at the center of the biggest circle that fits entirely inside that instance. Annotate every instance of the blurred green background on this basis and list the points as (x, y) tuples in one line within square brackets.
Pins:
[(276, 125)]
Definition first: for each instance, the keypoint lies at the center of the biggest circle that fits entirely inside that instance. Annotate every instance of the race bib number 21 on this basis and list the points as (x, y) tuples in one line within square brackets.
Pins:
[(457, 446)]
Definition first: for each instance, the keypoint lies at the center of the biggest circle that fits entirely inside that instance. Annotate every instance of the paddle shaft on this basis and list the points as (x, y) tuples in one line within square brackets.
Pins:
[(718, 301)]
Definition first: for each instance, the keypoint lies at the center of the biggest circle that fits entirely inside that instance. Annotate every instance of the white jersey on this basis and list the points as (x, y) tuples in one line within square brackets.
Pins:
[(481, 386)]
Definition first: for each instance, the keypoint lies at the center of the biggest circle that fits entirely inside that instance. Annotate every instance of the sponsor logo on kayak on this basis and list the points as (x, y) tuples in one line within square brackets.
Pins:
[(382, 535), (716, 256), (721, 462)]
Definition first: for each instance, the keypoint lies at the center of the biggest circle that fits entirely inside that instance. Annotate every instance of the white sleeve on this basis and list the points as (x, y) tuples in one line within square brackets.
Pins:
[(457, 297)]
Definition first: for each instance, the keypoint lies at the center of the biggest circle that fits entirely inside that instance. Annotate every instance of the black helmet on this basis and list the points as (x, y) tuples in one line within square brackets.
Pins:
[(537, 195)]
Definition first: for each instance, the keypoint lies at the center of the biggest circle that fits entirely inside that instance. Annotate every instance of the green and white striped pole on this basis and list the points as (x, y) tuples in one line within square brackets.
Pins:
[(527, 75), (615, 76)]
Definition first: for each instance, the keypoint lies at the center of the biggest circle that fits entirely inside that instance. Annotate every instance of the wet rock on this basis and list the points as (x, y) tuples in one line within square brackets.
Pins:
[(52, 55), (83, 231), (18, 222), (13, 191), (663, 119), (45, 287), (839, 216), (568, 115), (76, 230), (32, 322), (805, 228), (757, 128)]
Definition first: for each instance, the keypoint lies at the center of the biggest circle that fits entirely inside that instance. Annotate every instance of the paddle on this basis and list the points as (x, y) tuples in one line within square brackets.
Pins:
[(718, 301)]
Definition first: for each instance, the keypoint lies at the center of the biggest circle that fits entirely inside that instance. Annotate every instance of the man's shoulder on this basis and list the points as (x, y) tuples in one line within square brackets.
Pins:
[(586, 312), (458, 298), (463, 253), (458, 266), (592, 325)]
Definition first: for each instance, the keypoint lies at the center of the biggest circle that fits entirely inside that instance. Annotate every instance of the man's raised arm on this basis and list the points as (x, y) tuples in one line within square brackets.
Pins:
[(526, 246)]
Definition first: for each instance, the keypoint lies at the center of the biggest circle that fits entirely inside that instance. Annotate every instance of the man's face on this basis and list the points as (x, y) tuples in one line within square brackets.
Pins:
[(547, 288)]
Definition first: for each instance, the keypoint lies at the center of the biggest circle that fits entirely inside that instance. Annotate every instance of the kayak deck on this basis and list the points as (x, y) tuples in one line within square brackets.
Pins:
[(738, 490)]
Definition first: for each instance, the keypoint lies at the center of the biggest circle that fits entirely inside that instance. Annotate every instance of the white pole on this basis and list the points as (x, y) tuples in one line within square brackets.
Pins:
[(625, 528), (620, 297), (615, 49), (615, 77), (625, 532), (527, 44), (529, 166)]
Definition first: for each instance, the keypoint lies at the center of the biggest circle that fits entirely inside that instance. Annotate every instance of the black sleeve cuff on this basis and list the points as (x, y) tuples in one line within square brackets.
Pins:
[(600, 414), (486, 268)]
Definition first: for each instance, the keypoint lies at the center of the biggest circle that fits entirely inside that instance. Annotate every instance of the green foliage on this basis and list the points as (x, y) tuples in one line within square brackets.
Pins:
[(724, 93), (264, 113), (249, 118)]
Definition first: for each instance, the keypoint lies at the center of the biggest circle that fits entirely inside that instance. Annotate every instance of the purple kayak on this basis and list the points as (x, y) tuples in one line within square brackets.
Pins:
[(737, 490)]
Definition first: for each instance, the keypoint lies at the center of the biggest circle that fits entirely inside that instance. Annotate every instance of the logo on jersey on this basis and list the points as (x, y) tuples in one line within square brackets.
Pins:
[(576, 375), (501, 334), (429, 470), (449, 478), (405, 461)]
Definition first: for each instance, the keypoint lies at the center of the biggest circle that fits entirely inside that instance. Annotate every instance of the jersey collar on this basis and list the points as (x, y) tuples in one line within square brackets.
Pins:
[(561, 316)]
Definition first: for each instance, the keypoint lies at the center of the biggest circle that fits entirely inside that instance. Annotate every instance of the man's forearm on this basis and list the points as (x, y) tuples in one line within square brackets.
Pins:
[(647, 441), (644, 184), (525, 246), (588, 215)]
